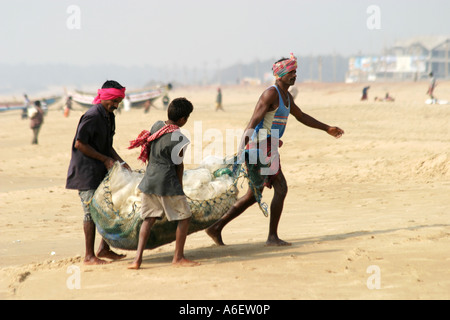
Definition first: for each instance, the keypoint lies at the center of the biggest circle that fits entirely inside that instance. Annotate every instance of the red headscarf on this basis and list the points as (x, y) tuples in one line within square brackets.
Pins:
[(109, 94)]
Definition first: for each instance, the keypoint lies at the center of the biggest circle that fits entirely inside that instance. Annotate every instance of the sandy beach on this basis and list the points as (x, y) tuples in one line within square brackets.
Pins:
[(366, 214)]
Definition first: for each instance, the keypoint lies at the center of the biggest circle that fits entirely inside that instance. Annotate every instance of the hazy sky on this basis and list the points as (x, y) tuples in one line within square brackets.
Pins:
[(212, 33)]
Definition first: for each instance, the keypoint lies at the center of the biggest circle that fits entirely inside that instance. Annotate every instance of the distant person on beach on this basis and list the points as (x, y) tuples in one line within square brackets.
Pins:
[(36, 120), (147, 105), (25, 107), (68, 106), (261, 137), (44, 106), (162, 184), (127, 104), (93, 155), (431, 87), (165, 101), (387, 98), (365, 93), (219, 100)]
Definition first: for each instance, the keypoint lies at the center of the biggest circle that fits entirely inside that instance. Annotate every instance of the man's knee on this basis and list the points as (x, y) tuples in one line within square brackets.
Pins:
[(281, 191), (280, 186), (247, 200)]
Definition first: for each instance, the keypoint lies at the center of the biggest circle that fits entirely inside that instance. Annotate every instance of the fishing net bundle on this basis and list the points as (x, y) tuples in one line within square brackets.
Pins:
[(211, 189)]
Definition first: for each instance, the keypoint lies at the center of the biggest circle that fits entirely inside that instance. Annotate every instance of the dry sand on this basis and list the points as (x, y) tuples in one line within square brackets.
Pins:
[(376, 197)]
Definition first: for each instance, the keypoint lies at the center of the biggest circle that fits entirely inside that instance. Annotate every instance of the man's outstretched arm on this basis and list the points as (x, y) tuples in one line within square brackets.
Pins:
[(309, 121)]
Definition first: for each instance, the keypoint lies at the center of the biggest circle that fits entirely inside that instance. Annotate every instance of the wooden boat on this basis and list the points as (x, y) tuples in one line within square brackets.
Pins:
[(4, 106), (137, 99), (15, 105)]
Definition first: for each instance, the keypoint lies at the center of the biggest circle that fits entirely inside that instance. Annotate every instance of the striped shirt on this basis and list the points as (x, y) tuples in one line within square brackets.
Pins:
[(274, 120)]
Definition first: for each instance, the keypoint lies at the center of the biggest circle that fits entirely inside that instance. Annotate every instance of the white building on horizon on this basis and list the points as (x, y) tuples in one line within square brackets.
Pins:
[(409, 59)]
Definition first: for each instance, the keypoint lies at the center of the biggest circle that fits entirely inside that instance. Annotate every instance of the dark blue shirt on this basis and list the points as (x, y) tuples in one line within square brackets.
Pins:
[(95, 128)]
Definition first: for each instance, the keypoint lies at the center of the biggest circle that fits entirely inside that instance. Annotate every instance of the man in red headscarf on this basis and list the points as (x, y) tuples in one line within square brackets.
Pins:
[(92, 156)]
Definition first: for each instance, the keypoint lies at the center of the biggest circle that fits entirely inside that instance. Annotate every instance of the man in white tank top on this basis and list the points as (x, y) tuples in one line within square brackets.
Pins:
[(269, 103)]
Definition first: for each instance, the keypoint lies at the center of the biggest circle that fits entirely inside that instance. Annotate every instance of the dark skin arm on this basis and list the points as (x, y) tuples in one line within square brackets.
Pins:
[(180, 169), (266, 103), (269, 102), (88, 151), (309, 121)]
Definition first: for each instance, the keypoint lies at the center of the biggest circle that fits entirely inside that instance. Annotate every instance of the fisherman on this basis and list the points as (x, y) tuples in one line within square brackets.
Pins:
[(261, 135), (92, 156)]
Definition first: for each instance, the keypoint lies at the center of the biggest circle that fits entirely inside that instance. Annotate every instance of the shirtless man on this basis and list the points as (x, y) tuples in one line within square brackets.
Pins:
[(271, 114)]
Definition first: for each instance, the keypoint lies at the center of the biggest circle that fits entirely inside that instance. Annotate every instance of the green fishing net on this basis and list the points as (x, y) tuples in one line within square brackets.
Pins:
[(115, 209), (116, 204)]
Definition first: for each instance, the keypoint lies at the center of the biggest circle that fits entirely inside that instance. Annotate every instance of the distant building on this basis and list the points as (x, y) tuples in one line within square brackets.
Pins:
[(250, 81), (410, 59)]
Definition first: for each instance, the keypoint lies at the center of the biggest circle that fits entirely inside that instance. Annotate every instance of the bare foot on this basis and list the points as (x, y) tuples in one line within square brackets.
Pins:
[(274, 241), (183, 262), (134, 266), (215, 235), (94, 261), (110, 255)]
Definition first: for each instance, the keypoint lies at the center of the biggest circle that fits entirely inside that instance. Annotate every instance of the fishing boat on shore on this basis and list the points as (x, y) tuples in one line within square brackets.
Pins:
[(18, 105), (137, 99)]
